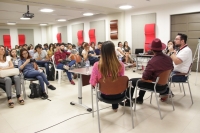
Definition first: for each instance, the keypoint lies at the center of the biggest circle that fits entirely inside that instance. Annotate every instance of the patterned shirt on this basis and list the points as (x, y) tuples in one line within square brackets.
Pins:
[(60, 55)]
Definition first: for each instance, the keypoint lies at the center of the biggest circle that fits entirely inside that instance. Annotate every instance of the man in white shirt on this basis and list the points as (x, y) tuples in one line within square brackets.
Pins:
[(41, 58)]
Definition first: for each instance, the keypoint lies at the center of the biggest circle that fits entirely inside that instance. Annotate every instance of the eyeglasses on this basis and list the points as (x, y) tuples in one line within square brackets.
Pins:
[(24, 53), (177, 39)]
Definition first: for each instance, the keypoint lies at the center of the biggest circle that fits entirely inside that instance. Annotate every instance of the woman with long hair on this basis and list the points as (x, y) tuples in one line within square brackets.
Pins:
[(14, 58), (50, 51), (169, 44), (6, 63), (30, 70), (127, 51), (108, 66)]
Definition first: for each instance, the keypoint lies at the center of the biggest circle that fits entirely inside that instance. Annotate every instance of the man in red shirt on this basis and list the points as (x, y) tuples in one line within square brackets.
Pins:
[(158, 64), (60, 59)]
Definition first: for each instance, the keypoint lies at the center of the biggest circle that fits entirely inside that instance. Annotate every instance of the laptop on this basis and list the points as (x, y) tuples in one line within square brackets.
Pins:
[(137, 51)]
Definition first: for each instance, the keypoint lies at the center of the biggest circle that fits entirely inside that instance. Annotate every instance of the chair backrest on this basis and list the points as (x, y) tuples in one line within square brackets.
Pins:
[(53, 59), (111, 88), (164, 77)]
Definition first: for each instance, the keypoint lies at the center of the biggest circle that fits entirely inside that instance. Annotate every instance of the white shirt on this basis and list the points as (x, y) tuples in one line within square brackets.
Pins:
[(185, 55), (5, 64), (117, 52), (90, 49), (42, 55)]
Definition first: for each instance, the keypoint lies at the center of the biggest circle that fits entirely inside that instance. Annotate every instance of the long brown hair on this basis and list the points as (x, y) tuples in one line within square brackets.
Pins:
[(109, 64), (21, 53), (4, 56)]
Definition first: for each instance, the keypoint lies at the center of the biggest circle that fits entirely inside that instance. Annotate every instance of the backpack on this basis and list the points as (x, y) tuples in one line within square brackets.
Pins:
[(36, 90), (51, 72)]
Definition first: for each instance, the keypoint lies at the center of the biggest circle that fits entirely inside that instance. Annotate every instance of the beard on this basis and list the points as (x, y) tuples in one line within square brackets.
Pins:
[(177, 45)]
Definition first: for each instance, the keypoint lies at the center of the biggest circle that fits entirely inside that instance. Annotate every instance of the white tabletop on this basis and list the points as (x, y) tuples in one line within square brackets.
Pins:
[(81, 71)]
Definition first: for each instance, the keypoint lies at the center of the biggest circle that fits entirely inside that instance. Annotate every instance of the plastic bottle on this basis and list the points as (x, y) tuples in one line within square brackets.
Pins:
[(87, 66), (120, 58)]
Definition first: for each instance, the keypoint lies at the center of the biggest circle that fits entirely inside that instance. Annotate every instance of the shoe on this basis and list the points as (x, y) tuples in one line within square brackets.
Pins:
[(115, 110), (66, 67), (72, 82), (127, 103), (21, 102), (51, 87), (139, 101), (11, 105), (75, 76), (44, 96)]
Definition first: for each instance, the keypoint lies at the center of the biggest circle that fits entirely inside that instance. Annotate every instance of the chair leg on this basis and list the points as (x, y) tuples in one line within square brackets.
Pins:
[(180, 87), (55, 75), (23, 88), (92, 102), (183, 89), (135, 98), (158, 105), (151, 97), (97, 101), (59, 76), (124, 108), (170, 93), (130, 83), (190, 92)]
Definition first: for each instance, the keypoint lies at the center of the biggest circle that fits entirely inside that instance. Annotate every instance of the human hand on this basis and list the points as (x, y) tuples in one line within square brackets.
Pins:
[(28, 60), (170, 48)]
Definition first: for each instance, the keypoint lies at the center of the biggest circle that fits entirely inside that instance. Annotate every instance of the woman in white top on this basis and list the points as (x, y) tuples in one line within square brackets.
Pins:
[(14, 58), (6, 63)]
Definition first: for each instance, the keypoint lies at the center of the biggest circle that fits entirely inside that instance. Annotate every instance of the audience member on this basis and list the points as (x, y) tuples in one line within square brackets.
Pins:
[(30, 70), (98, 50), (61, 63), (120, 51), (31, 51), (158, 64), (14, 58), (45, 47), (17, 50), (103, 69), (50, 51), (169, 44), (5, 63), (92, 45), (25, 46)]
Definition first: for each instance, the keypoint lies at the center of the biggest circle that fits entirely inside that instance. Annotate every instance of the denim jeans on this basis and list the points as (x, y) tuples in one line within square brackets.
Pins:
[(44, 64), (69, 74), (38, 75), (178, 78)]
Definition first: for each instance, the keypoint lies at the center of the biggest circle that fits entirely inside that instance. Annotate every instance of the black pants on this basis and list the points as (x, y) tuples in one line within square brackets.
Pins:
[(162, 89), (113, 97)]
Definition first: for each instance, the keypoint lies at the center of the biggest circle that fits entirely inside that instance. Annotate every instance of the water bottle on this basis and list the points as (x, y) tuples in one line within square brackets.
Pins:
[(87, 66), (120, 58)]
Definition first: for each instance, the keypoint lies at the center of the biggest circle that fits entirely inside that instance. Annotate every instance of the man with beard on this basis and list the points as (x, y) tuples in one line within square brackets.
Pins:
[(182, 59), (61, 63)]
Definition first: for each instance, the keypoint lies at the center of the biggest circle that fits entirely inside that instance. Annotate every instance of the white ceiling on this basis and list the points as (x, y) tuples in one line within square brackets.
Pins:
[(12, 10)]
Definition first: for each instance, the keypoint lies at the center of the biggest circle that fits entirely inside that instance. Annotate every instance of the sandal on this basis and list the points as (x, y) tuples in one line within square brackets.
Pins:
[(11, 105), (21, 102)]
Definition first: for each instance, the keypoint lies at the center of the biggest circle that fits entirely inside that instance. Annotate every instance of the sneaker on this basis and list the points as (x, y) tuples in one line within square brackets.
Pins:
[(66, 67), (51, 87), (72, 82), (139, 101), (44, 96)]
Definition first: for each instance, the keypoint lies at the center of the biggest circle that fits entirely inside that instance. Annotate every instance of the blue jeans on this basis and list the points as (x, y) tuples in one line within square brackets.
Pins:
[(178, 78), (69, 74), (44, 64), (39, 76)]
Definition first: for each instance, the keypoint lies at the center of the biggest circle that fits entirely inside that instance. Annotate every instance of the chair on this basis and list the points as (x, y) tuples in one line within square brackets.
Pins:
[(162, 79), (60, 72), (111, 88), (187, 81)]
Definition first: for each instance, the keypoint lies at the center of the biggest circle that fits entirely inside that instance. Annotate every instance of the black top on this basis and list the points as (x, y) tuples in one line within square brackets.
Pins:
[(127, 49)]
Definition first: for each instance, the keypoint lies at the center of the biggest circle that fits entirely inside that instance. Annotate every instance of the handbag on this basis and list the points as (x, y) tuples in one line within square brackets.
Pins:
[(9, 72)]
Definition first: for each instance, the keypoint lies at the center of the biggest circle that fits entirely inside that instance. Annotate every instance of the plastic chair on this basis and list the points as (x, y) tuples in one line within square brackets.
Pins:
[(111, 88), (161, 80), (187, 81), (60, 72)]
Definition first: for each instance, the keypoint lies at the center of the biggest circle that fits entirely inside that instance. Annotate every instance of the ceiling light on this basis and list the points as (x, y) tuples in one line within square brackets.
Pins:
[(80, 0), (88, 14), (43, 24), (46, 10), (11, 23), (125, 7), (24, 18), (61, 20)]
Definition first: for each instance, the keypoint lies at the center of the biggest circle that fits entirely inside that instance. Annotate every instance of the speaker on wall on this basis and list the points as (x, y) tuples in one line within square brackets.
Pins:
[(114, 29)]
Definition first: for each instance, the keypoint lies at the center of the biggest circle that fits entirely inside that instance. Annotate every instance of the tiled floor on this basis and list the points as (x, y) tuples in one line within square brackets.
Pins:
[(44, 116)]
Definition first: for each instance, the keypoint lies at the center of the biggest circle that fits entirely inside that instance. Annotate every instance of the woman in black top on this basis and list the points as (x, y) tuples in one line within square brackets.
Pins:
[(127, 51)]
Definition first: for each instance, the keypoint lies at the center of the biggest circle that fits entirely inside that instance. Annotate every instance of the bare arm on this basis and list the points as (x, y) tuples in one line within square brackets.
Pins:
[(9, 67), (21, 66)]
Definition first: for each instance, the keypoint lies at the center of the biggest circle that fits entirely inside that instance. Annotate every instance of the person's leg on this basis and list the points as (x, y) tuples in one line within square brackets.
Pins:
[(71, 63), (69, 75), (8, 84), (47, 68), (17, 81), (134, 81)]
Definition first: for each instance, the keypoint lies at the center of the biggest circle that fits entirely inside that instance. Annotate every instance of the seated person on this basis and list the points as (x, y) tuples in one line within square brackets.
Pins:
[(92, 45), (62, 63), (45, 47), (98, 50), (127, 51), (89, 54), (50, 51), (120, 52), (14, 58), (6, 63), (158, 64), (29, 69), (103, 67), (42, 59), (169, 44), (80, 49), (71, 49)]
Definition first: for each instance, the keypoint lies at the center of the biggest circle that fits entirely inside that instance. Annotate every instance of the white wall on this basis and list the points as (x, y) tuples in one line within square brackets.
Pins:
[(40, 34), (87, 20), (163, 13)]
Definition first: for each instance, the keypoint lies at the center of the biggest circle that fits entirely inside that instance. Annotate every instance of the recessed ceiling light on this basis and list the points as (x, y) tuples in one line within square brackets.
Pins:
[(61, 20), (24, 18), (125, 7), (80, 0), (46, 10), (11, 23), (88, 14), (43, 24)]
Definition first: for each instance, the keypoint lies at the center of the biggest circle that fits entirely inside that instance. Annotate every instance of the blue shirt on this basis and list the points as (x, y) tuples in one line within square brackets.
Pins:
[(97, 51), (27, 68)]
